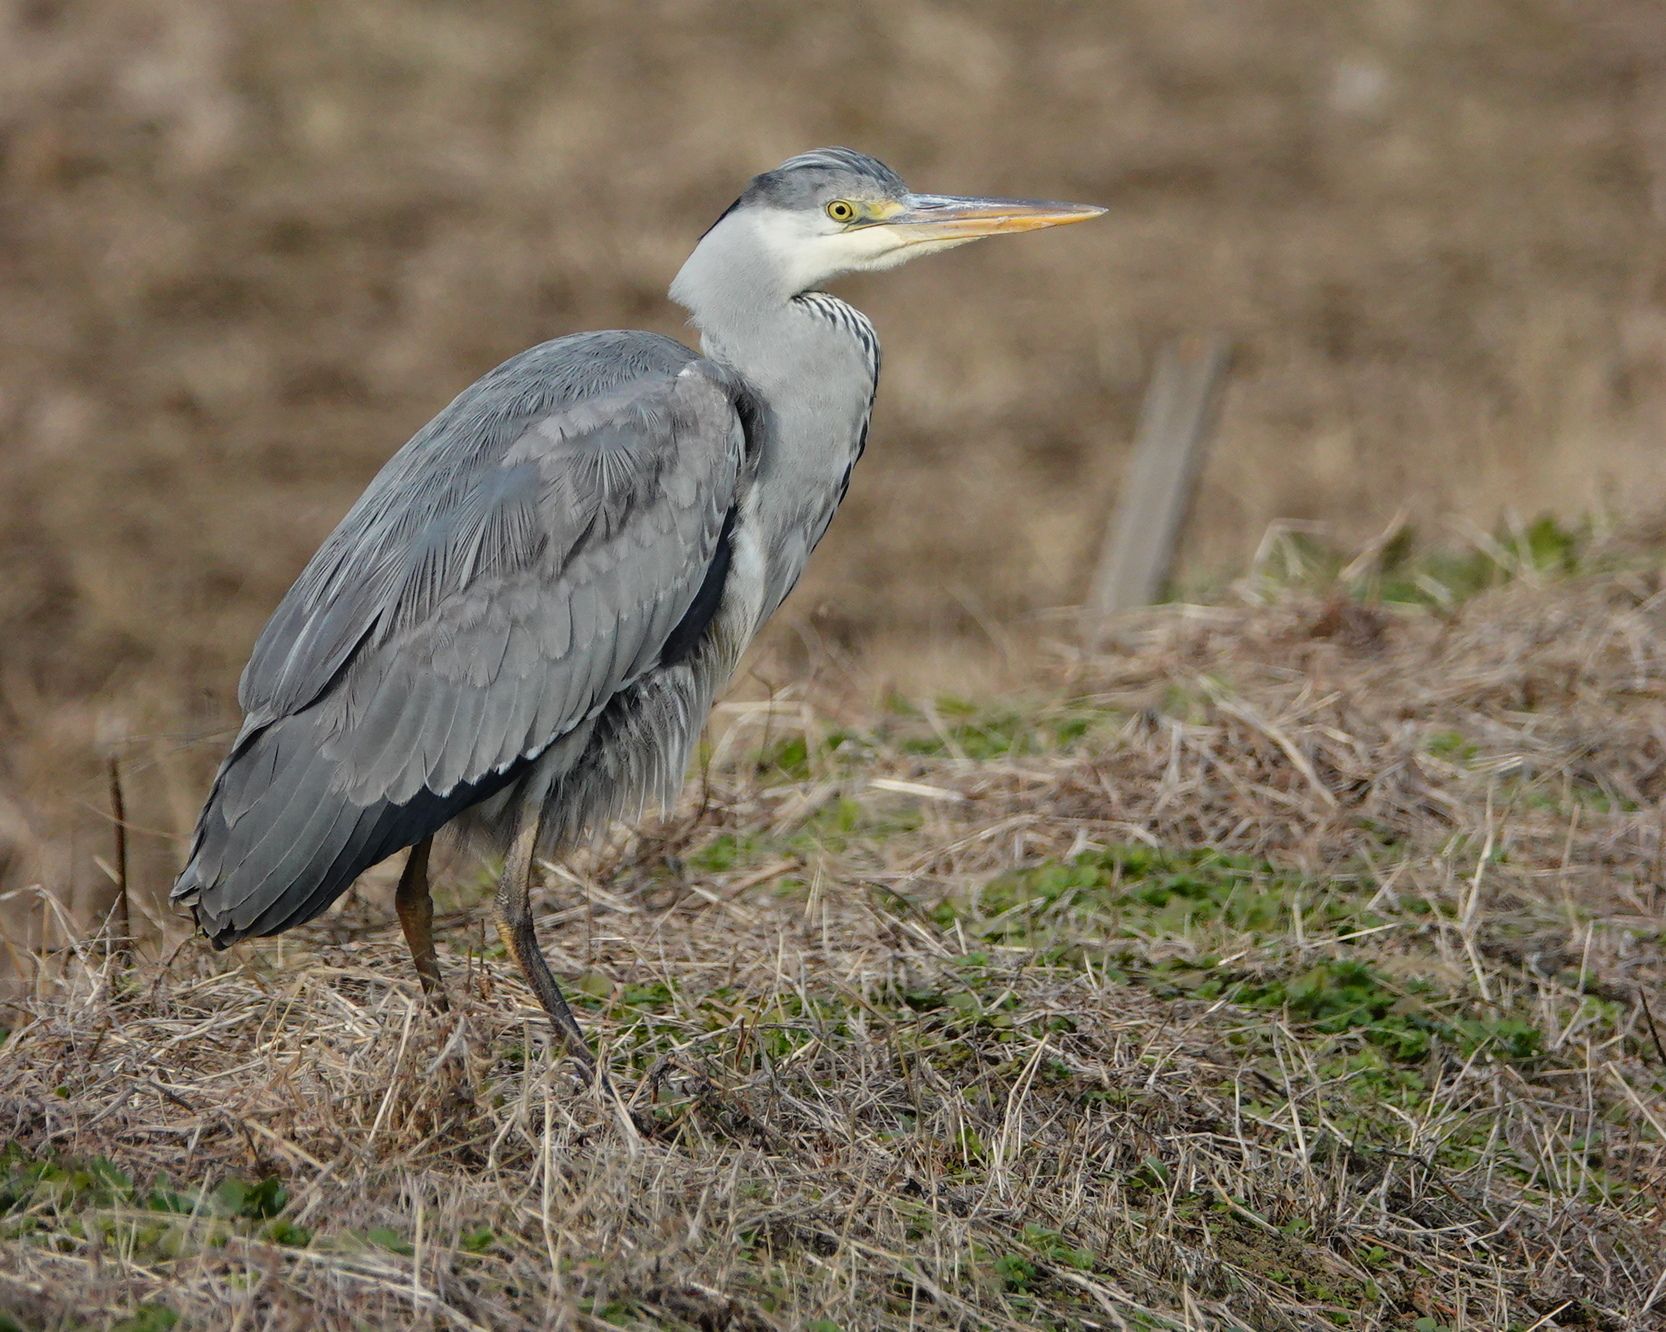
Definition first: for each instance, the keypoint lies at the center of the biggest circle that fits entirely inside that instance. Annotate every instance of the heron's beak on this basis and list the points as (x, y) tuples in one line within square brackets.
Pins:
[(954, 217)]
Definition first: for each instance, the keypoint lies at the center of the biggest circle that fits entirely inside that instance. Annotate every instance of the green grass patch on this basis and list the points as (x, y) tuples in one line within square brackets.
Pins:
[(959, 728), (147, 1318), (1378, 1043), (1343, 994), (838, 826), (1410, 572), (804, 757), (64, 1202), (1136, 892)]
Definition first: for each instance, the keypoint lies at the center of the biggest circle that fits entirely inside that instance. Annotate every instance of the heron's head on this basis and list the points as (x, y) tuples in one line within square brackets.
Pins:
[(834, 211)]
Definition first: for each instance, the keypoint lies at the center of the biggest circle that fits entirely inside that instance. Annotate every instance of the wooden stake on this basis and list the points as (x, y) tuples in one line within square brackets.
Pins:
[(121, 917), (1177, 423)]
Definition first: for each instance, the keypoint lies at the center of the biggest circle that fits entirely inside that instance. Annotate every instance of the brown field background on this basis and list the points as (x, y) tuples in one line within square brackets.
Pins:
[(247, 249)]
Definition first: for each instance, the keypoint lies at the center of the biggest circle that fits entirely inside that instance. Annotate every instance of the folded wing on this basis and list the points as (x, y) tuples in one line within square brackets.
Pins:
[(530, 553)]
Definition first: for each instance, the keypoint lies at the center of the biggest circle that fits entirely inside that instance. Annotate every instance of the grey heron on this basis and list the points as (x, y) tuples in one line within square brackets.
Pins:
[(517, 631)]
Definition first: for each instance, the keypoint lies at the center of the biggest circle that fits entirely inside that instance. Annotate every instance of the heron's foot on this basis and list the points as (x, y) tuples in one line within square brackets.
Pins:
[(433, 1095), (453, 1085), (726, 1107), (434, 997), (512, 912), (594, 1078), (515, 929)]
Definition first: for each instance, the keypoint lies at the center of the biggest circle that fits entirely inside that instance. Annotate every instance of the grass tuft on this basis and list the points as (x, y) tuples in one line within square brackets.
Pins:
[(1152, 1002)]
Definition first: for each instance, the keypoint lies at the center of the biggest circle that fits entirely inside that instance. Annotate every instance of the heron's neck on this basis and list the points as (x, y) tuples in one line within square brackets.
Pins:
[(741, 301), (812, 362), (809, 358)]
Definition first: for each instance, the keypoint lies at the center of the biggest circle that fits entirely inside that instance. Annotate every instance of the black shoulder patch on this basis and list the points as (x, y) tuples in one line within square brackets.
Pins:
[(683, 639)]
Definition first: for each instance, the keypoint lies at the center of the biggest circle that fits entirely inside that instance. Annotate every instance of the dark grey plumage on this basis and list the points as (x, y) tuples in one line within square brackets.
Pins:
[(526, 556), (518, 630), (808, 178)]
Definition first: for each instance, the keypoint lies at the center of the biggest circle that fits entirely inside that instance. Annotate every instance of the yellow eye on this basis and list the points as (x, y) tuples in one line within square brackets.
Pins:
[(841, 210)]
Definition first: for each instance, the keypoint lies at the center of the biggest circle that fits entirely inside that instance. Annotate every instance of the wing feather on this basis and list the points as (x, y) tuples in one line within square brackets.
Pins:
[(523, 558)]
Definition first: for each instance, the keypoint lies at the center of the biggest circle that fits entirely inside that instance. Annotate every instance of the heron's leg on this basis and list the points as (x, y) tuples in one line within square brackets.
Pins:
[(513, 910), (416, 917)]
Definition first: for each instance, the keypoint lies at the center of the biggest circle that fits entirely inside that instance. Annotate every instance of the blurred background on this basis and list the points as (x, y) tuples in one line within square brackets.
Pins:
[(247, 249)]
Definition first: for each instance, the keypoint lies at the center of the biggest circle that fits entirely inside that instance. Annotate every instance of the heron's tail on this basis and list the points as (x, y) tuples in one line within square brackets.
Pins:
[(279, 839)]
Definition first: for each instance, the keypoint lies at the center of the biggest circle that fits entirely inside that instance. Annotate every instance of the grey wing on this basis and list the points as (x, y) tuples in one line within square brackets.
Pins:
[(506, 574)]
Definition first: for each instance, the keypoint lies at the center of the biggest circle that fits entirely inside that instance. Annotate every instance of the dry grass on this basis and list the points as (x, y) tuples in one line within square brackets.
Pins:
[(1282, 968)]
